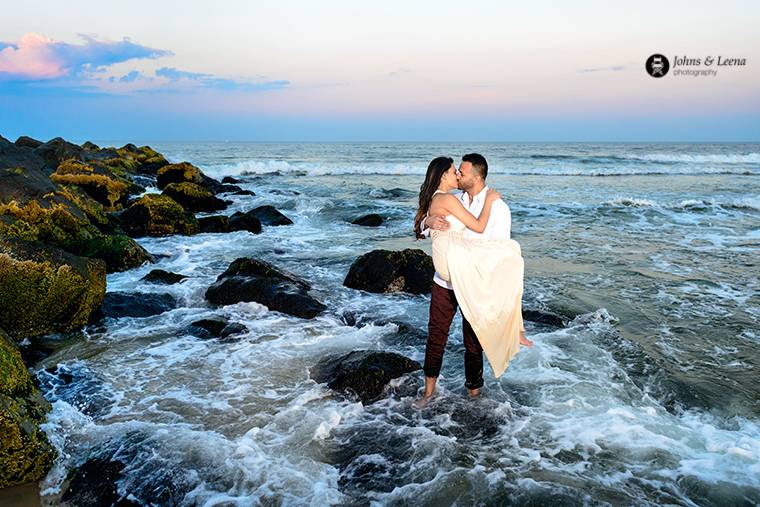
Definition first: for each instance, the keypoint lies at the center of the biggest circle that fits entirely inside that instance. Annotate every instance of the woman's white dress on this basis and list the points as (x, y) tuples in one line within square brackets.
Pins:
[(487, 276)]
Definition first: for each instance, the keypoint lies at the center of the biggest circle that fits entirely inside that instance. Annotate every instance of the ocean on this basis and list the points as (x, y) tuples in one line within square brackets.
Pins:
[(649, 395)]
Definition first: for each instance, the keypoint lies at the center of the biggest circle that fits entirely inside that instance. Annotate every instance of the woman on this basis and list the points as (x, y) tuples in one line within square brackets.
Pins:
[(486, 275)]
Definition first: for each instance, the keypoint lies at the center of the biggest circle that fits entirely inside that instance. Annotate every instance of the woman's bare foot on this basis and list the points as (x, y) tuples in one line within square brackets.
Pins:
[(474, 393), (422, 402), (524, 340)]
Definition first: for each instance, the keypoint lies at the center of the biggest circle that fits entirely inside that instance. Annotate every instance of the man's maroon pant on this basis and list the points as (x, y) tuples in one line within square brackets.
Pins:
[(443, 307)]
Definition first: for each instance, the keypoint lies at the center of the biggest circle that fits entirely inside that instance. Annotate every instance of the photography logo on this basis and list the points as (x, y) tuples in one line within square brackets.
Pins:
[(657, 65)]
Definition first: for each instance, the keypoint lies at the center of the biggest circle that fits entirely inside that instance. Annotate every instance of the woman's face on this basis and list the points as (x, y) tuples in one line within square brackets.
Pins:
[(449, 178)]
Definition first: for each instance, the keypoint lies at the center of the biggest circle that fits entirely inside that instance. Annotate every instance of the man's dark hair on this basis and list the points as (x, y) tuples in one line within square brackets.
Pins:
[(478, 162)]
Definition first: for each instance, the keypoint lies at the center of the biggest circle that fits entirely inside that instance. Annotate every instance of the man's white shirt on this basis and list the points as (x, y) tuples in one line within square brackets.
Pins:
[(498, 227)]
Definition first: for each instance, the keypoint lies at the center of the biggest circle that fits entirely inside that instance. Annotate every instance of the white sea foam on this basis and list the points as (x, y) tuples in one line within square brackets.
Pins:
[(560, 168)]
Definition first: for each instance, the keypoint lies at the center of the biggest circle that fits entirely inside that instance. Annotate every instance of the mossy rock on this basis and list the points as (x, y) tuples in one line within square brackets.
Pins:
[(384, 271), (178, 173), (158, 215), (25, 453), (46, 220), (45, 289), (194, 197), (146, 159), (98, 180), (120, 252)]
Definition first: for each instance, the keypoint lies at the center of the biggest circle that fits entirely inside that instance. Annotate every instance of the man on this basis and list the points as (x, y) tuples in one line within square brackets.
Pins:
[(471, 177)]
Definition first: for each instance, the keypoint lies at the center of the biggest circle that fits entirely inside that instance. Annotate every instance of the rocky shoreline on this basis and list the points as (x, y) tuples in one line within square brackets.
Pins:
[(69, 214)]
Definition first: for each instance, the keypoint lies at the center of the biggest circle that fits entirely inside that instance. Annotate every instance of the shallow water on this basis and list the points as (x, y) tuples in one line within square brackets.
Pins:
[(647, 397)]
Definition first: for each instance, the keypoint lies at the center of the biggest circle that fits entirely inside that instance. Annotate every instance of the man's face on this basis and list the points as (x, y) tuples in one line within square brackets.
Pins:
[(466, 175)]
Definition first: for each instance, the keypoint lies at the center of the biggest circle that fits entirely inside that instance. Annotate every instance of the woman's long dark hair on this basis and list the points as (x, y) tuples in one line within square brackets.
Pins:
[(435, 170)]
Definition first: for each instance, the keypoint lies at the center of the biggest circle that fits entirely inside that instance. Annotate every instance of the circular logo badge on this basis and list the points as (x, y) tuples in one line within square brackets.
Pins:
[(657, 65)]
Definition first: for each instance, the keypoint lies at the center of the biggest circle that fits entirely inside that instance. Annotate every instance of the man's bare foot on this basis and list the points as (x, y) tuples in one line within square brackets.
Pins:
[(474, 393), (524, 340)]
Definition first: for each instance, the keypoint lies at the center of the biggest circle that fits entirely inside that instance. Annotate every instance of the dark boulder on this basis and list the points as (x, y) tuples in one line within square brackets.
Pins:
[(244, 192), (163, 277), (247, 221), (18, 160), (216, 328), (230, 180), (268, 215), (77, 386), (215, 223), (252, 280), (135, 304), (194, 197), (56, 151), (93, 484), (27, 142), (545, 317), (384, 271), (229, 189), (158, 215), (372, 220), (364, 373)]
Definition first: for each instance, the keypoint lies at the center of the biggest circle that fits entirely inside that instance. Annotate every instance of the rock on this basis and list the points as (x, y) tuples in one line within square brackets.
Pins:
[(229, 188), (93, 484), (544, 317), (364, 373), (193, 197), (18, 159), (277, 191), (252, 280), (142, 160), (56, 151), (158, 215), (27, 142), (186, 172), (25, 453), (120, 252), (215, 223), (99, 181), (45, 289), (384, 271), (77, 386), (268, 215), (372, 220), (216, 328), (230, 179), (247, 221), (130, 469), (135, 304), (244, 192), (163, 277)]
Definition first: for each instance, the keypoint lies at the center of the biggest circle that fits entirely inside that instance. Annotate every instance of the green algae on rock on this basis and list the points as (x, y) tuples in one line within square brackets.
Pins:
[(25, 453), (158, 215), (178, 173), (45, 289), (194, 197)]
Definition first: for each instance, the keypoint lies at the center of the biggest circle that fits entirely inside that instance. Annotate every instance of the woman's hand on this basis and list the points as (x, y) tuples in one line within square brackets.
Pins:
[(492, 195)]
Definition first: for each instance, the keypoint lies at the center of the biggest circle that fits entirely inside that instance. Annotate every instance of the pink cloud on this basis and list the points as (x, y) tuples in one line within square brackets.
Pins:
[(32, 57)]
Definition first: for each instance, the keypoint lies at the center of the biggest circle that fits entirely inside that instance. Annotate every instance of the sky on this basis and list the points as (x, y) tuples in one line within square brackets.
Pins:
[(376, 71)]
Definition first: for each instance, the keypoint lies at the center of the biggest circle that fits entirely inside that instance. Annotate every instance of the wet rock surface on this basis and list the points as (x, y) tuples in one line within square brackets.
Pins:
[(363, 373), (249, 279), (384, 271)]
